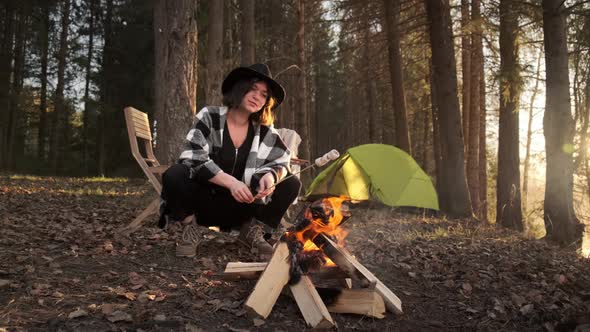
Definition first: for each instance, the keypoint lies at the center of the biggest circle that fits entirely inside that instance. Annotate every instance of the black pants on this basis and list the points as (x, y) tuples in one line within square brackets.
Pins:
[(215, 206)]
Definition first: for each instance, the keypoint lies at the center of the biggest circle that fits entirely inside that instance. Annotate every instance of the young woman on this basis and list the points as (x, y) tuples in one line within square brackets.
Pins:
[(232, 160)]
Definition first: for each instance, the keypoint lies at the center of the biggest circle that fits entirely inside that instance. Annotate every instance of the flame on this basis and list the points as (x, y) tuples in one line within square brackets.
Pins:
[(317, 226)]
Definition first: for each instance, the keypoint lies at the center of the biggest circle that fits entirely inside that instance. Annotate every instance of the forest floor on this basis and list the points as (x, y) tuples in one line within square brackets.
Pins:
[(62, 269)]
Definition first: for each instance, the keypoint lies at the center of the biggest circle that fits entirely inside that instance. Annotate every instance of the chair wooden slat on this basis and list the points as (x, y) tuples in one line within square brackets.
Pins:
[(138, 127)]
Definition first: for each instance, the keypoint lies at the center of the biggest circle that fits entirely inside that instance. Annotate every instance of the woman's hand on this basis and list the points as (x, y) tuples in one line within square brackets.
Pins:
[(265, 185), (240, 191)]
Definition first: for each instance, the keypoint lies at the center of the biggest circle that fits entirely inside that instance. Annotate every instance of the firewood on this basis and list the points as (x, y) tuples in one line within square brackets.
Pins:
[(271, 282), (239, 270), (353, 301), (348, 263), (251, 270), (311, 305)]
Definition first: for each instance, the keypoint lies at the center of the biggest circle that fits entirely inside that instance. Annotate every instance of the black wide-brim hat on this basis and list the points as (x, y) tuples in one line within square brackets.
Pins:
[(257, 70)]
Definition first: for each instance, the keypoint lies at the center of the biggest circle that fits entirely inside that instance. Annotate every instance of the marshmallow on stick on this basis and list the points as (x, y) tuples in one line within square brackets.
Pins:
[(321, 161), (332, 155)]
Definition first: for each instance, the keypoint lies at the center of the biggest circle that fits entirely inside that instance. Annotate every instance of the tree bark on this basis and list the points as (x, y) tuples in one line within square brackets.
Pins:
[(483, 159), (106, 90), (474, 112), (175, 29), (59, 112), (302, 112), (465, 69), (6, 55), (17, 84), (561, 223), (441, 184), (508, 206), (372, 112), (42, 133), (247, 32), (454, 199), (214, 54), (529, 135), (89, 57), (402, 135)]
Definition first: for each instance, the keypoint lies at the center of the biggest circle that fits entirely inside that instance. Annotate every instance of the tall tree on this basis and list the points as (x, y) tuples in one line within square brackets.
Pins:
[(391, 18), (529, 135), (561, 223), (247, 32), (474, 112), (483, 159), (89, 58), (106, 89), (302, 111), (508, 206), (214, 54), (465, 69), (454, 198), (6, 56), (368, 82), (14, 111), (59, 113), (175, 30), (44, 38)]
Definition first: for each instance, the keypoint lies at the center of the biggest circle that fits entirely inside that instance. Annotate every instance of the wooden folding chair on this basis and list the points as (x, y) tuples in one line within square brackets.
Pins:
[(138, 128)]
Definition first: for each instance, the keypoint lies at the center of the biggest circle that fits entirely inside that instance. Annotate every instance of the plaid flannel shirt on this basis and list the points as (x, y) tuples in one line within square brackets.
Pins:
[(205, 139)]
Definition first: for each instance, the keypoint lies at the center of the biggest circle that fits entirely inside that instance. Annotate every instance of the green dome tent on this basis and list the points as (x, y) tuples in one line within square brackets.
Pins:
[(377, 171)]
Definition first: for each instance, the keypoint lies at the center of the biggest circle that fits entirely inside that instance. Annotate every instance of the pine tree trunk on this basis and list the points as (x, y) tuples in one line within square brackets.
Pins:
[(402, 135), (175, 27), (42, 133), (474, 112), (585, 114), (17, 84), (561, 223), (106, 90), (368, 79), (302, 112), (247, 32), (483, 159), (508, 206), (59, 113), (529, 135), (89, 57), (441, 184), (465, 69), (214, 54), (454, 199), (6, 55)]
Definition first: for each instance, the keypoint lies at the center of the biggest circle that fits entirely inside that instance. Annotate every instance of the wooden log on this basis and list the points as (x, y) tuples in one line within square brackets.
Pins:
[(353, 301), (271, 282), (251, 270), (348, 263), (239, 270), (311, 305)]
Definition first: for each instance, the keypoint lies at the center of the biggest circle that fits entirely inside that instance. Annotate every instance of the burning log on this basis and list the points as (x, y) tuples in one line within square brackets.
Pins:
[(345, 261), (311, 305), (271, 282), (313, 247), (353, 301)]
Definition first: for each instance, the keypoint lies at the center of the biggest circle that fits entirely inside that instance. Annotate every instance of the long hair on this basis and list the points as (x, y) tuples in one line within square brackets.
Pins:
[(233, 98)]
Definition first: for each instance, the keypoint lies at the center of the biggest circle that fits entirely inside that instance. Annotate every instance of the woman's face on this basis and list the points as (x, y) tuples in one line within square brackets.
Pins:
[(255, 98)]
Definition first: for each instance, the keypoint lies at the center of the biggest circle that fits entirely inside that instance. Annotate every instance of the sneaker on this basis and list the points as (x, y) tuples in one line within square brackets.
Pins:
[(191, 237), (252, 235)]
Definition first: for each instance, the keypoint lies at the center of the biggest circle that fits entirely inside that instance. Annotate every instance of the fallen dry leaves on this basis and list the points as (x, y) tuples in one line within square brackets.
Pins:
[(63, 267)]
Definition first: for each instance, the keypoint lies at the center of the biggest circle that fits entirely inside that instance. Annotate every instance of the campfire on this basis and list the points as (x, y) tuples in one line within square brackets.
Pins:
[(312, 252)]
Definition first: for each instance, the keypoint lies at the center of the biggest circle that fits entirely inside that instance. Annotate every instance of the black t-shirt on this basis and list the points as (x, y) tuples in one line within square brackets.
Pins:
[(231, 160)]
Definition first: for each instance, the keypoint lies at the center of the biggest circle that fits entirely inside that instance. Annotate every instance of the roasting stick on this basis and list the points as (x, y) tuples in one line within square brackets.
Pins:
[(319, 162)]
